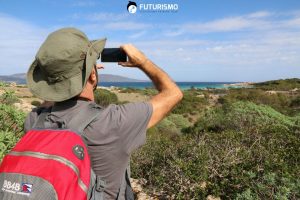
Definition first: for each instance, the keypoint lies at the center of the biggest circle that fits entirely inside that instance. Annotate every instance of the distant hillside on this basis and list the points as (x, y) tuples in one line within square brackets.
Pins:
[(116, 78), (18, 78), (282, 84), (21, 78)]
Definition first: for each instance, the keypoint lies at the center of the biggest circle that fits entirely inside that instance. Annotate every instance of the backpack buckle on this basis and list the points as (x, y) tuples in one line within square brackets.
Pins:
[(100, 184)]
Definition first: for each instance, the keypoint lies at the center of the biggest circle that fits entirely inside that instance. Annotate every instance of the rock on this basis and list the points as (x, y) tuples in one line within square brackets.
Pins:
[(211, 197), (200, 96), (271, 92), (203, 185), (24, 106), (13, 84), (294, 90), (138, 190)]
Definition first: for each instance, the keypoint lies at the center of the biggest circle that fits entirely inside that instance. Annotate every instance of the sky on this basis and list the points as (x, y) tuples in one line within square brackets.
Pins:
[(204, 40)]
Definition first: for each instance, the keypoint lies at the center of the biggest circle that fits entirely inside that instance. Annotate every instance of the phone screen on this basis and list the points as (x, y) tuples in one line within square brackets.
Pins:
[(113, 55)]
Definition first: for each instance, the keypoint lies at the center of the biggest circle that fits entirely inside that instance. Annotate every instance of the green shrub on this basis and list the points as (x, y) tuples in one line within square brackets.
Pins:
[(8, 97), (173, 124), (279, 101), (129, 90), (11, 127), (241, 116), (36, 103), (11, 120), (179, 121), (7, 142), (105, 97), (145, 91), (190, 103), (285, 84), (238, 151), (167, 127), (3, 84), (295, 102), (224, 165)]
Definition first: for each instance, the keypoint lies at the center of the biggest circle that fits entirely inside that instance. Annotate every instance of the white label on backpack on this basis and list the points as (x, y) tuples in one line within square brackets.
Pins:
[(17, 188)]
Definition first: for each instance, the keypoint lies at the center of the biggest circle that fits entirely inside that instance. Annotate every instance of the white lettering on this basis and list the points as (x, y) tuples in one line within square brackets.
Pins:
[(158, 7), (11, 187)]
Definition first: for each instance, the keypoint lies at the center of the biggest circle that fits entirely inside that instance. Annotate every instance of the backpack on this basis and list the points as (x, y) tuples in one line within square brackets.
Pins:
[(51, 162)]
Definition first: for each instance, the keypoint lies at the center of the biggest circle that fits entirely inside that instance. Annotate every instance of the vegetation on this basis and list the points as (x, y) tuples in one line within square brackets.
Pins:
[(11, 127), (146, 91), (8, 97), (36, 103), (238, 151), (237, 144), (286, 103), (105, 97), (192, 103), (286, 84)]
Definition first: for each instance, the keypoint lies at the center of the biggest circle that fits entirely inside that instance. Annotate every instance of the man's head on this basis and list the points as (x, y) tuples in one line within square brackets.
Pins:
[(63, 65)]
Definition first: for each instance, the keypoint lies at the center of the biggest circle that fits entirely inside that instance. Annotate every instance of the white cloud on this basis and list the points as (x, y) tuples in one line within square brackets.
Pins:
[(229, 24), (84, 3), (261, 20), (137, 35), (173, 33), (260, 14), (19, 42), (126, 26), (293, 23), (101, 16), (264, 45)]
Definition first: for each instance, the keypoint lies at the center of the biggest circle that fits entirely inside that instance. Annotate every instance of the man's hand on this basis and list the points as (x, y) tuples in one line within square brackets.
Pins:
[(169, 93), (135, 57)]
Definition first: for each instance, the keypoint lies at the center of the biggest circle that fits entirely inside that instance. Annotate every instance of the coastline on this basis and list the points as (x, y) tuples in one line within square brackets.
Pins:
[(182, 85)]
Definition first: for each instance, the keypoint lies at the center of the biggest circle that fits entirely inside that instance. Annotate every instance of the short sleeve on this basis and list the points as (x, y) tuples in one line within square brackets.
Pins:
[(132, 122)]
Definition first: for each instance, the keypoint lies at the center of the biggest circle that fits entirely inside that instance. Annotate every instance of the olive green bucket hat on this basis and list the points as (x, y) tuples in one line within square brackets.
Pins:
[(63, 65)]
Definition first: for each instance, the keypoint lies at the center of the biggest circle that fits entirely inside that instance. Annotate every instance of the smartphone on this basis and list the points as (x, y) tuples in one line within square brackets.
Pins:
[(113, 55)]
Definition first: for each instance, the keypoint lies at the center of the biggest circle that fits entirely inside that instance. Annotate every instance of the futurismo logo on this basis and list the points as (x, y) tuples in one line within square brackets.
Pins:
[(131, 7), (26, 187)]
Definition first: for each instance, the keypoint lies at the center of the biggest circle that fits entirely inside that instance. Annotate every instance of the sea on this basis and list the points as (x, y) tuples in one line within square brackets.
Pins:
[(182, 85)]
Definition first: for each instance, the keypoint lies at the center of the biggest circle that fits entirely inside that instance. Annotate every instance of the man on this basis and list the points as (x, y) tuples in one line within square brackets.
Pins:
[(65, 72)]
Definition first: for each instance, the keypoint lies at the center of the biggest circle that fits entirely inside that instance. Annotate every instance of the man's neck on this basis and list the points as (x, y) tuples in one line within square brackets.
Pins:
[(87, 93)]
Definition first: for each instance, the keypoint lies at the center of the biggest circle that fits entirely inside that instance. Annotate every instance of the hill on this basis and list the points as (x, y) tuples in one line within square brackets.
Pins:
[(282, 84), (21, 78)]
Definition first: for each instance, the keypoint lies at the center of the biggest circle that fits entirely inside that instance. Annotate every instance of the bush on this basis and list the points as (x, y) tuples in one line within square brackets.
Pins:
[(190, 103), (172, 124), (7, 142), (295, 102), (8, 97), (36, 103), (238, 151), (11, 127), (245, 116), (145, 91), (11, 120), (279, 101), (179, 121), (105, 97), (285, 84), (167, 127)]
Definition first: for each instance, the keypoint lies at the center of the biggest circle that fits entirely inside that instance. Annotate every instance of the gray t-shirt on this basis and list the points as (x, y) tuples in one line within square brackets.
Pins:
[(111, 138)]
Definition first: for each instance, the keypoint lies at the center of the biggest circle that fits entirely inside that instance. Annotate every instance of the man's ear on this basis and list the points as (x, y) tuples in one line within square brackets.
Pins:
[(93, 75)]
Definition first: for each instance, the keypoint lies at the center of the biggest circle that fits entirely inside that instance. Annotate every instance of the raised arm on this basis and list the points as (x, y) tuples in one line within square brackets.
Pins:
[(169, 93)]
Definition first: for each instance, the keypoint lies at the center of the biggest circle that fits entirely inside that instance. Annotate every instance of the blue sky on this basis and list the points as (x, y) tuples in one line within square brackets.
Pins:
[(207, 40)]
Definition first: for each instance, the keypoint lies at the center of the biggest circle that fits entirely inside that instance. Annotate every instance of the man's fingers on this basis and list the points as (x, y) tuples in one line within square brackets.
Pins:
[(126, 64), (100, 66)]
